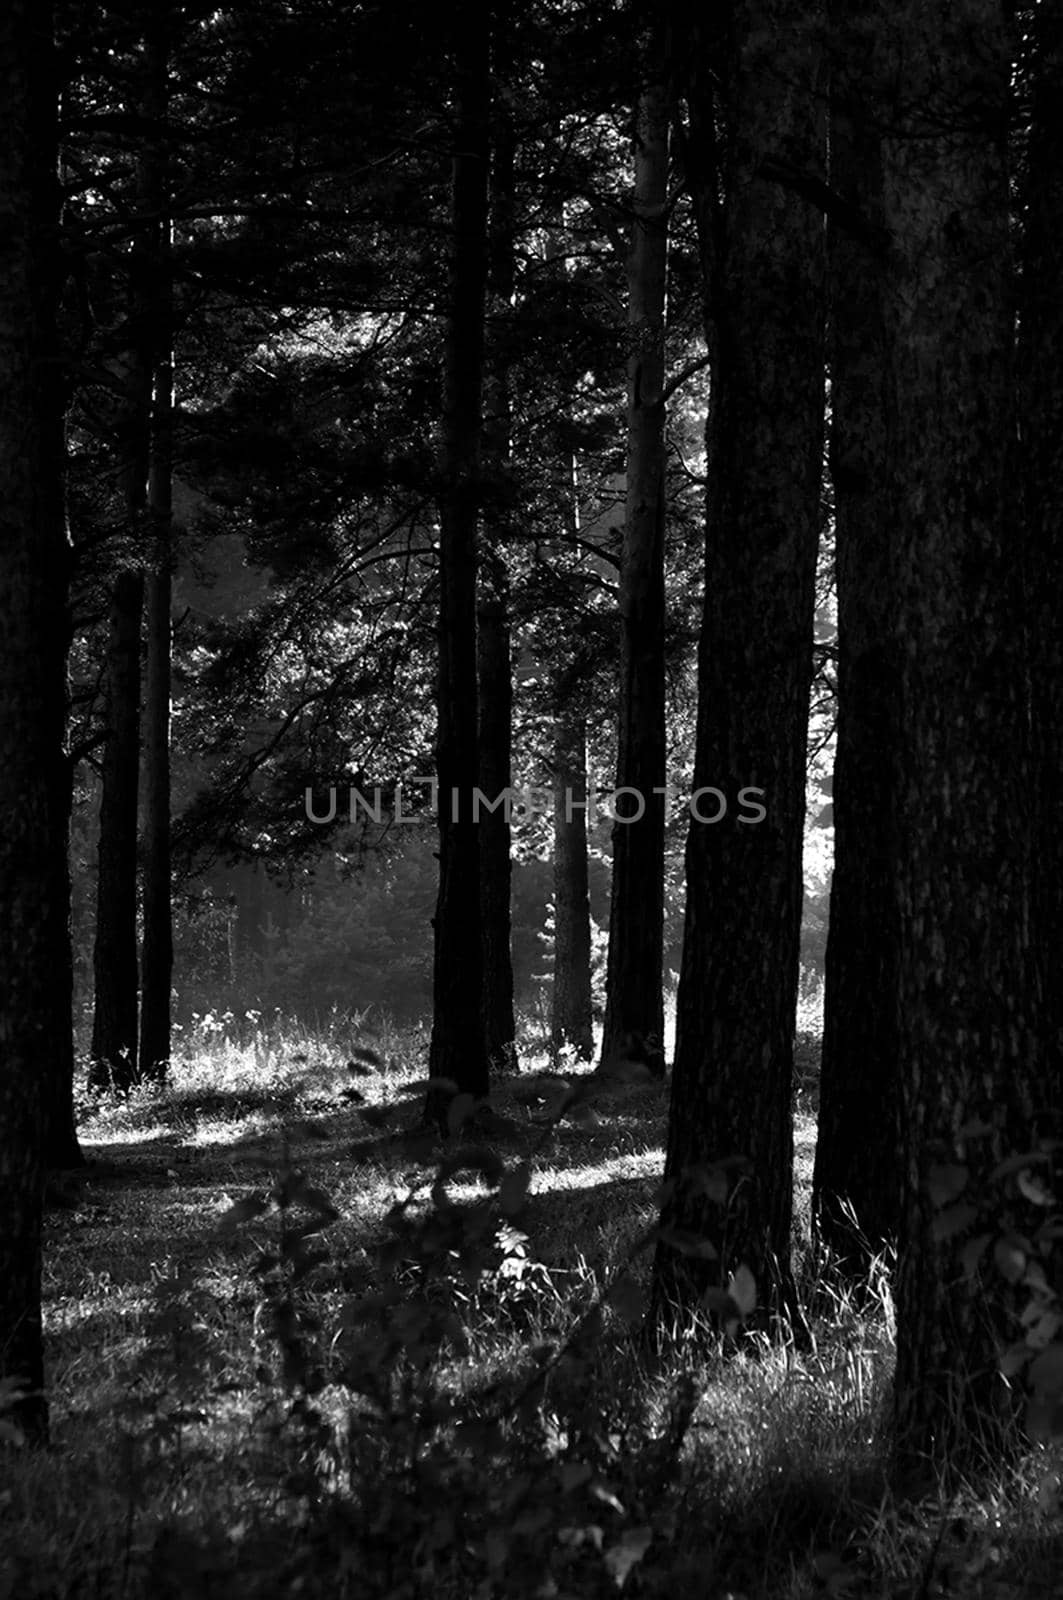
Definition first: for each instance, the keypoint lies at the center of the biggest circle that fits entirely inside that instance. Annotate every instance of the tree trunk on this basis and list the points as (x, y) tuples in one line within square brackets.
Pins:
[(458, 1048), (731, 1087), (114, 1022), (31, 600), (494, 666), (1041, 365), (634, 996), (967, 1043), (157, 949), (571, 1018), (61, 1148), (857, 1162), (114, 1040), (496, 710), (157, 952)]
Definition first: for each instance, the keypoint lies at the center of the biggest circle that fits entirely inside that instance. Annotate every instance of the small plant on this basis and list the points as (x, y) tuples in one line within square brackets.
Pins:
[(535, 1477)]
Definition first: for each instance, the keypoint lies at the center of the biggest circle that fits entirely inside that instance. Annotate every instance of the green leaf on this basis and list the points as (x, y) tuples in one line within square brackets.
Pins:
[(601, 1491), (1010, 1259), (1035, 1191), (742, 1287), (718, 1300)]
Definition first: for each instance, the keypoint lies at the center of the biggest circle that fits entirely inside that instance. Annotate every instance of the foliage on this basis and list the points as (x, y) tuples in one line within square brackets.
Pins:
[(1005, 1231)]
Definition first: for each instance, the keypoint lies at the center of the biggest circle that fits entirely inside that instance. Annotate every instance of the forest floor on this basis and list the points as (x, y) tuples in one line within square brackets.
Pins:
[(330, 1396)]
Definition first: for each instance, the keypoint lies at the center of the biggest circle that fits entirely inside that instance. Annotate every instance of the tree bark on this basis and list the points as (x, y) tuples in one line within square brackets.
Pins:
[(494, 664), (1041, 366), (571, 1014), (458, 1048), (634, 995), (51, 386), (30, 752), (732, 1082), (114, 1040), (966, 997), (857, 1160), (157, 948), (496, 710), (114, 1022)]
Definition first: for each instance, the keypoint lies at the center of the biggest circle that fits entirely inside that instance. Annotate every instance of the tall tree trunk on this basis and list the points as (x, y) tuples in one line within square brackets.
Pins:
[(857, 1163), (571, 1015), (634, 995), (114, 1039), (967, 1041), (114, 957), (31, 653), (458, 1048), (1041, 365), (494, 665), (157, 950), (496, 711), (61, 1148), (731, 1087)]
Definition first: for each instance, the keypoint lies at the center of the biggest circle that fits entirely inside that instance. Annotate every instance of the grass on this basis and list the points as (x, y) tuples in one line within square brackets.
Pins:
[(233, 1417)]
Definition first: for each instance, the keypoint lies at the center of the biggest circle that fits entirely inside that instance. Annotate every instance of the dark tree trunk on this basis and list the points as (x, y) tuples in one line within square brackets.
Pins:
[(157, 949), (634, 997), (114, 958), (31, 656), (494, 665), (114, 1038), (967, 1040), (857, 1157), (1041, 365), (571, 1017), (458, 1049), (731, 1087), (496, 709), (61, 1148)]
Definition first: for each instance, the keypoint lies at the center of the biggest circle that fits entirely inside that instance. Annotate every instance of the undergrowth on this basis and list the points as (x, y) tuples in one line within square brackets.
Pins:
[(298, 1348)]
